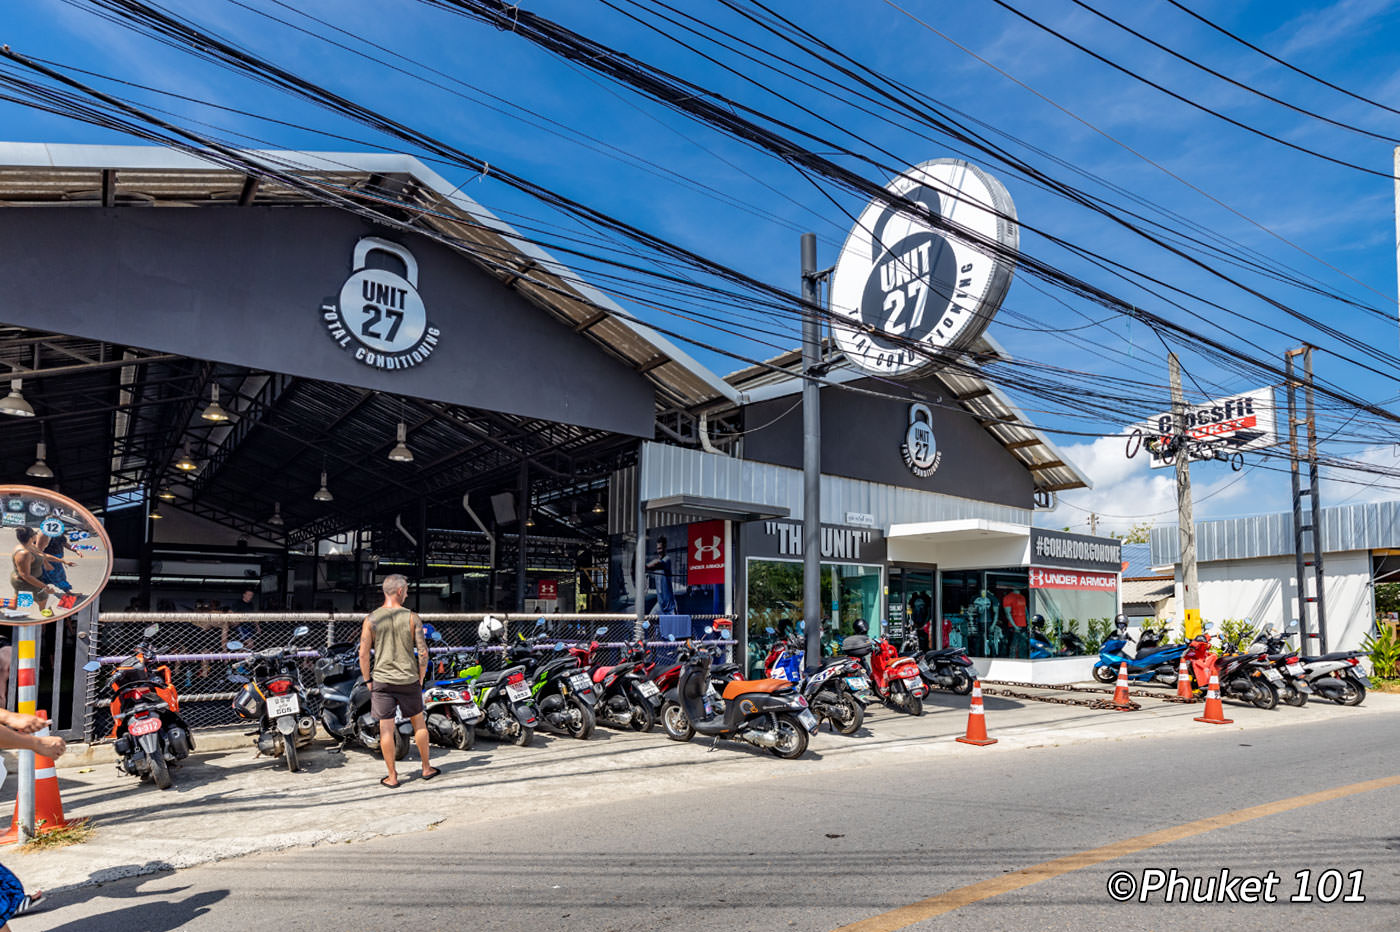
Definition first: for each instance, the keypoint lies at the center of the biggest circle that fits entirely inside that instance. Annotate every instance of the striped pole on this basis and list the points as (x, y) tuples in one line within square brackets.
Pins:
[(27, 703)]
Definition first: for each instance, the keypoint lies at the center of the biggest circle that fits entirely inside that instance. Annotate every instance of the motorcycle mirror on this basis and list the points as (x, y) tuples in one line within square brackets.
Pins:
[(1208, 626), (646, 625), (92, 666), (435, 636), (558, 646), (237, 678), (150, 631), (600, 632), (539, 622), (1293, 626), (770, 630), (300, 631), (671, 638), (234, 645), (709, 629)]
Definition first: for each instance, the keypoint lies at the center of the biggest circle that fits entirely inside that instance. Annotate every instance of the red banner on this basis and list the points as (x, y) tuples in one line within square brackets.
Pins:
[(705, 557), (1072, 579), (549, 589)]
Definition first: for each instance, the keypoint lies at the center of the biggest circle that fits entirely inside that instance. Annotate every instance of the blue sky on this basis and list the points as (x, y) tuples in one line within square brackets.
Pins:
[(745, 209)]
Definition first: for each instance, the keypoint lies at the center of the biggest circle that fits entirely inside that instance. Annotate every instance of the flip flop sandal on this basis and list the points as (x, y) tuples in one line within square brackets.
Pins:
[(429, 776), (30, 901), (384, 782)]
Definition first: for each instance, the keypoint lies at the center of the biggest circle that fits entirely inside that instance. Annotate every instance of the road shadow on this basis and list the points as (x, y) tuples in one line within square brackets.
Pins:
[(157, 911)]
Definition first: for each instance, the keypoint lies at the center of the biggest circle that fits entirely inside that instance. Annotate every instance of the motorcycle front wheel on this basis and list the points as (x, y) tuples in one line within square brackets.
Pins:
[(792, 738), (1105, 674), (673, 720), (524, 737), (1293, 696), (400, 745), (914, 705)]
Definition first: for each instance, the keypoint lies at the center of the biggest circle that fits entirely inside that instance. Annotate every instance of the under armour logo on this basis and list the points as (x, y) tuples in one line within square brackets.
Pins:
[(710, 551)]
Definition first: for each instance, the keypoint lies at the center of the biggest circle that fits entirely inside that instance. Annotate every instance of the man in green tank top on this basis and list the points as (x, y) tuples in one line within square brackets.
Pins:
[(395, 679)]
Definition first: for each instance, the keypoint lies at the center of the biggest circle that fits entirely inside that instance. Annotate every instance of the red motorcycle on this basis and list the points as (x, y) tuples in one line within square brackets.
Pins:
[(896, 679), (626, 697)]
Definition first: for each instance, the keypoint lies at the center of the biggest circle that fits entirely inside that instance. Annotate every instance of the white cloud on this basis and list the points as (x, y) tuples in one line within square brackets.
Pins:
[(1324, 26)]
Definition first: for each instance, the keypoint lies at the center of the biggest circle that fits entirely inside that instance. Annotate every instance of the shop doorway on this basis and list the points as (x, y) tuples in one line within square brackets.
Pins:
[(913, 606)]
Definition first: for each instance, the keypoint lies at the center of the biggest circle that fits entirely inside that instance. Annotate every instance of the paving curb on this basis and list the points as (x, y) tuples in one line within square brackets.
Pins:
[(82, 754)]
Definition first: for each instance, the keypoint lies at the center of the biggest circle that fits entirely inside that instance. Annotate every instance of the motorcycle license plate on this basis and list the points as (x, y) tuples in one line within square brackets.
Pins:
[(518, 692), (857, 683), (913, 683), (648, 689), (278, 706), (144, 726), (1274, 675), (467, 713), (579, 680), (1296, 669), (808, 720)]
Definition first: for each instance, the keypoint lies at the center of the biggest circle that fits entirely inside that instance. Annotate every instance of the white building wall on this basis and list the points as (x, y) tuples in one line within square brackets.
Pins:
[(1265, 590)]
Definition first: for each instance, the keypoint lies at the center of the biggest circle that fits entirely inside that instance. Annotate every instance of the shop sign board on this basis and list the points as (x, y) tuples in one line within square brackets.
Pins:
[(906, 294), (549, 589), (860, 519), (379, 316), (1237, 424), (1075, 551), (1046, 578), (707, 557), (60, 556), (837, 543)]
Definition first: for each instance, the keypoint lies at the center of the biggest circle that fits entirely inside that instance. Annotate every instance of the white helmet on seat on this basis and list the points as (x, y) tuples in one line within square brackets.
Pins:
[(490, 629)]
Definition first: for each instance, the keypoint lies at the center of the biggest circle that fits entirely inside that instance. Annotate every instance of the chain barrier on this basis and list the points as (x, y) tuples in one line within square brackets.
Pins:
[(195, 647)]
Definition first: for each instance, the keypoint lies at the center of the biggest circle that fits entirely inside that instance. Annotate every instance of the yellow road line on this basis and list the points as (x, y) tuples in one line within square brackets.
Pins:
[(906, 916)]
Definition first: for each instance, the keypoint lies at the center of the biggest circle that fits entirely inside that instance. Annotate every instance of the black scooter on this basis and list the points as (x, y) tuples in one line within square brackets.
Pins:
[(766, 713), (345, 703), (947, 668), (272, 696)]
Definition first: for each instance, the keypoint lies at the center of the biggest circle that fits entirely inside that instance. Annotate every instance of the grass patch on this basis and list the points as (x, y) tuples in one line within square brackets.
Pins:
[(74, 833), (1385, 684)]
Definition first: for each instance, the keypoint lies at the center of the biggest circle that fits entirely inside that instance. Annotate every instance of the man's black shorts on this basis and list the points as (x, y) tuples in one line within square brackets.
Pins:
[(384, 697)]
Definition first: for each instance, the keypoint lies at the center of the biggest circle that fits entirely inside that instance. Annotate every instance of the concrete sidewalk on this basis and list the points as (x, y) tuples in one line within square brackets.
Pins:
[(228, 803)]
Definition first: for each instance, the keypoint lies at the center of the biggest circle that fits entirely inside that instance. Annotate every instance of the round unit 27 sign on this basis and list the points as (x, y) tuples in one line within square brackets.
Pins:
[(906, 294), (59, 554), (379, 315)]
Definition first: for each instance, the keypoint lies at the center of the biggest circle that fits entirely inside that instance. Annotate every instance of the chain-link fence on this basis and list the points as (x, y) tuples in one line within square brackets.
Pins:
[(196, 646)]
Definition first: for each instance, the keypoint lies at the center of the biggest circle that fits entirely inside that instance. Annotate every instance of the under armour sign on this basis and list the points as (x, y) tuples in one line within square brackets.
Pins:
[(378, 315), (705, 558), (916, 285)]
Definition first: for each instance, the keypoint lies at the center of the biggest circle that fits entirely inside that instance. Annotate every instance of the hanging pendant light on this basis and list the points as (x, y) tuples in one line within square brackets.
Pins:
[(598, 505), (14, 402), (155, 513), (40, 469), (184, 463), (323, 494), (276, 519), (401, 453), (166, 495), (215, 412), (529, 521)]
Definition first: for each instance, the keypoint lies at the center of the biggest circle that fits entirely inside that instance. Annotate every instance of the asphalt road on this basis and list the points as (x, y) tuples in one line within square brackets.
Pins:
[(830, 849)]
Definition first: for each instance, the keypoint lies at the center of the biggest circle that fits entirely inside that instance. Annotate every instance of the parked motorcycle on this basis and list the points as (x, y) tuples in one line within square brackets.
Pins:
[(1147, 660), (765, 713), (1241, 675), (1288, 674), (947, 668), (1336, 675), (147, 727), (504, 697), (897, 680), (345, 703), (272, 696), (837, 693), (451, 712), (626, 696), (562, 689)]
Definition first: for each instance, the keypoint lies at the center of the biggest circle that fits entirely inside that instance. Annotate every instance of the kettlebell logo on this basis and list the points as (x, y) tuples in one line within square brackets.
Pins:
[(921, 453), (379, 316)]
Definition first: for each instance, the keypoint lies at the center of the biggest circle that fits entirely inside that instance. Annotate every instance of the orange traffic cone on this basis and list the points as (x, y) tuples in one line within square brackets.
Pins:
[(977, 720), (1121, 701), (48, 806), (1215, 712), (1183, 681)]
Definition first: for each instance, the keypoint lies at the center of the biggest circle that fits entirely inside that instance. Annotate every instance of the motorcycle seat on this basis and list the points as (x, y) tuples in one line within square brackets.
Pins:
[(736, 688), (1334, 655), (489, 677), (942, 652), (601, 673)]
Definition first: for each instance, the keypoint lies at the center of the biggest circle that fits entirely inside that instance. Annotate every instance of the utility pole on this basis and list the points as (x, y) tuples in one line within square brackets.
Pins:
[(811, 457), (1186, 524), (1312, 525), (1093, 523)]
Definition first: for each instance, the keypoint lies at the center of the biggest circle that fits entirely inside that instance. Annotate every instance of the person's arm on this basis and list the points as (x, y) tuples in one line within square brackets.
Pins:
[(50, 746), (366, 641), (21, 722), (420, 640)]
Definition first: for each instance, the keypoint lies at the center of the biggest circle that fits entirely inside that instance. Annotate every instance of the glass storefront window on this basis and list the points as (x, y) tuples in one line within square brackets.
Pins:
[(986, 612), (1078, 608), (849, 592)]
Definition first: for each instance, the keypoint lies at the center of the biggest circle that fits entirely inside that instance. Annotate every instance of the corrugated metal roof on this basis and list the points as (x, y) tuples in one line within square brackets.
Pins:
[(1137, 559), (1344, 527), (1050, 469), (1146, 590), (33, 174)]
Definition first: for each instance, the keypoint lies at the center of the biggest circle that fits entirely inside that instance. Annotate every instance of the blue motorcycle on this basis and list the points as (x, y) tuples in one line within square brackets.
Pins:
[(838, 692), (1150, 660)]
